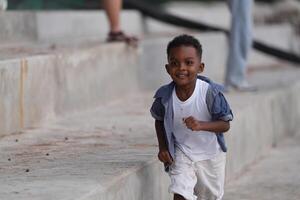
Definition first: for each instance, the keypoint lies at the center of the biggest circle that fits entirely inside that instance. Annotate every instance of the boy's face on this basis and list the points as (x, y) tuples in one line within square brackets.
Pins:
[(183, 65)]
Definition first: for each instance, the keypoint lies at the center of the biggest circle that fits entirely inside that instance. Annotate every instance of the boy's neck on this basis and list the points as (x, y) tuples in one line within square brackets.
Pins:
[(185, 92)]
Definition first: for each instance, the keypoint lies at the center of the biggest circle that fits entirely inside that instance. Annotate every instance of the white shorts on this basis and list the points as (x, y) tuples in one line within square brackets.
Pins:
[(202, 180)]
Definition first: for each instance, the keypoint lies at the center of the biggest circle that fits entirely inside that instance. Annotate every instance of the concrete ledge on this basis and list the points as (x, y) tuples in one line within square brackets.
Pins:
[(48, 26), (47, 86)]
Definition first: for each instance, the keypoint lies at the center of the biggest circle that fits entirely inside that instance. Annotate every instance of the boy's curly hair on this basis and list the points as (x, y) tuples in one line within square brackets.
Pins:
[(185, 40)]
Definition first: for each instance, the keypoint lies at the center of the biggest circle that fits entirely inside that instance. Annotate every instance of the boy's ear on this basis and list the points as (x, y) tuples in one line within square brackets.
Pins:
[(201, 67), (167, 68)]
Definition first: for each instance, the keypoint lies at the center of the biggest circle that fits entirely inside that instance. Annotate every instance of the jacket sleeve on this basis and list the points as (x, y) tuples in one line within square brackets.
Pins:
[(157, 110), (217, 105)]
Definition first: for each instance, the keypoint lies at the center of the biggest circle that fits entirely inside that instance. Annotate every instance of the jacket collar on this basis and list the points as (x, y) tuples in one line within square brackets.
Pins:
[(165, 92)]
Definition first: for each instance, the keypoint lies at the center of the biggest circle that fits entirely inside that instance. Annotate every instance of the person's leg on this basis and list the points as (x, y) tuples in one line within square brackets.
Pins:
[(183, 177), (113, 9), (211, 177), (240, 41)]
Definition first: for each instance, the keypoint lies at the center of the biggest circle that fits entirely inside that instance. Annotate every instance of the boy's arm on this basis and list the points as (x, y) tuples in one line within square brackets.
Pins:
[(163, 155), (220, 112), (218, 126)]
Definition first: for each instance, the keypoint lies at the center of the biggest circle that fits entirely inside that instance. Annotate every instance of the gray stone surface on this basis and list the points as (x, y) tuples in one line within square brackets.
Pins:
[(17, 27), (274, 176)]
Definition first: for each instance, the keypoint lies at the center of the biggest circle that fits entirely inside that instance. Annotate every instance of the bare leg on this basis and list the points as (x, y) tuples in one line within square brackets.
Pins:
[(178, 197), (113, 9)]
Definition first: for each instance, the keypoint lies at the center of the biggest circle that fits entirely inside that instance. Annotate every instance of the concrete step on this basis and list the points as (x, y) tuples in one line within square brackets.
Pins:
[(39, 84), (107, 153), (110, 151), (69, 65), (46, 76)]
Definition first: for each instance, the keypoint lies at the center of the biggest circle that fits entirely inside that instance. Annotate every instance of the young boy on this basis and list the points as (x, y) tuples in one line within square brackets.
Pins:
[(191, 115)]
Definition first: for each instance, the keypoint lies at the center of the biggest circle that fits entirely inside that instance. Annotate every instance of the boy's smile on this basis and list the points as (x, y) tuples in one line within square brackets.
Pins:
[(184, 65)]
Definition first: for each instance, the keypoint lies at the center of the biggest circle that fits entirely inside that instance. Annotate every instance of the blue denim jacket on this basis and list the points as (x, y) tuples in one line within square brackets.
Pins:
[(162, 110)]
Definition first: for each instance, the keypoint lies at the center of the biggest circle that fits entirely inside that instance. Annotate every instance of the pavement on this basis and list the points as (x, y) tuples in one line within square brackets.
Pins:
[(274, 177)]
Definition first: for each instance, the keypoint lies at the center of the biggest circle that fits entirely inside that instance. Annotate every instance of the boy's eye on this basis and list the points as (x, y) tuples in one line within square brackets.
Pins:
[(189, 62), (173, 63)]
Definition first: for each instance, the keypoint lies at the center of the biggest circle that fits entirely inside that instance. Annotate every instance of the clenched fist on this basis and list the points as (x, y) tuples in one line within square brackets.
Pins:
[(192, 123)]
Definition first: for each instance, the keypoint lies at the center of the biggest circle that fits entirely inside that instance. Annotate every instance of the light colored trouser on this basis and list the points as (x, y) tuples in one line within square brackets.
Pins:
[(3, 4), (202, 180), (240, 40)]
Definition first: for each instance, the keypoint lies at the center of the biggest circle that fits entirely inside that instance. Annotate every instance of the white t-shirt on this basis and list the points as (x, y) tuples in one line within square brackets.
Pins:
[(197, 145)]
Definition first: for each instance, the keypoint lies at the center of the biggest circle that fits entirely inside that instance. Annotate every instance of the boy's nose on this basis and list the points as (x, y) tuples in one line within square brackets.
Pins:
[(181, 66)]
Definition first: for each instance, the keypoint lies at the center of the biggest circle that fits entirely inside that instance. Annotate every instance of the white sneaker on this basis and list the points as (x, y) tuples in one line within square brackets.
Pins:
[(243, 87)]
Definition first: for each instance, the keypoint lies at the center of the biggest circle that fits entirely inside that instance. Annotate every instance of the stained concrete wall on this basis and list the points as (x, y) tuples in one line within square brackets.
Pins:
[(40, 88), (10, 98)]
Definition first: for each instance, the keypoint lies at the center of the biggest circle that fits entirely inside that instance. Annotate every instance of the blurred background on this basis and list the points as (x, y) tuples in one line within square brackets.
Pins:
[(74, 107), (83, 4)]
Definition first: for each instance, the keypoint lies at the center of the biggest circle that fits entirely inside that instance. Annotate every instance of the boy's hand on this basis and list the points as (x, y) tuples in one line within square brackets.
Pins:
[(165, 157), (192, 123)]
